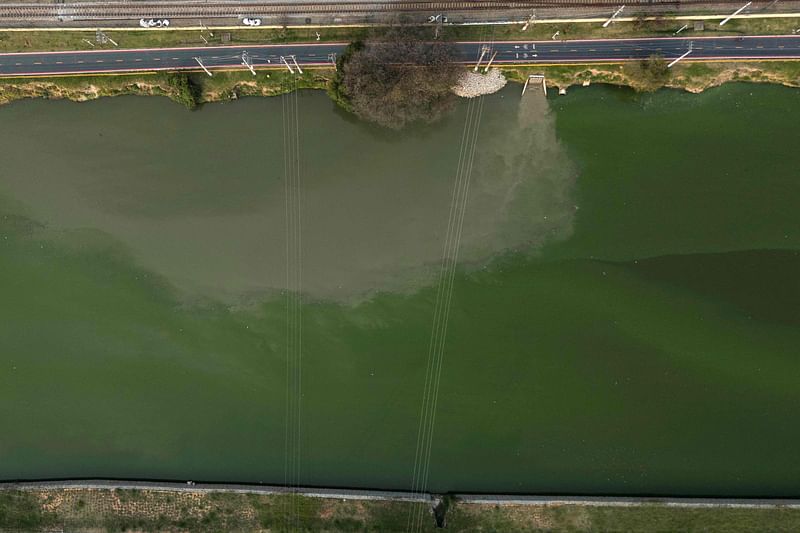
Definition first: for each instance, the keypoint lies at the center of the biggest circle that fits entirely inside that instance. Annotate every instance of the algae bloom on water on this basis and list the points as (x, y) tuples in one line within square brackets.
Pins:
[(623, 316)]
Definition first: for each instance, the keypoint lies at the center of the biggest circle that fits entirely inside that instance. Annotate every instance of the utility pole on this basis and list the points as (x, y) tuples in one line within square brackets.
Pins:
[(102, 38), (283, 60), (615, 15), (204, 27), (202, 66), (530, 21), (489, 64), (296, 65), (484, 49), (204, 39), (684, 55), (246, 62), (681, 29), (332, 59), (90, 43), (556, 34), (736, 13)]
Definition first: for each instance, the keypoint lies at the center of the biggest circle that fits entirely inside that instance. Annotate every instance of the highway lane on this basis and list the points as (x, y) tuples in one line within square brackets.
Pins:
[(508, 52)]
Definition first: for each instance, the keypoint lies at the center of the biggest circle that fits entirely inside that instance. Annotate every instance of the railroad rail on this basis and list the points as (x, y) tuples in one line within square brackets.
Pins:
[(170, 9)]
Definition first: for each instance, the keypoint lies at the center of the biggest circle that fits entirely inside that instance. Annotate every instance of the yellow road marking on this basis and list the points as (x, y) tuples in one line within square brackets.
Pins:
[(320, 67), (153, 72), (619, 63)]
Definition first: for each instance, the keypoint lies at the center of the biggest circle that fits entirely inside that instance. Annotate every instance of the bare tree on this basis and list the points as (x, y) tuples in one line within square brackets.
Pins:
[(397, 78)]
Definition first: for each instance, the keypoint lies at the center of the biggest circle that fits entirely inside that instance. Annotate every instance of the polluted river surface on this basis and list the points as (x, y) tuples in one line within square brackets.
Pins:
[(624, 316)]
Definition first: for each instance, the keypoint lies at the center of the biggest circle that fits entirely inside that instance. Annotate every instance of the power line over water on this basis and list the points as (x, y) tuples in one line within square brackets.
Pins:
[(294, 285)]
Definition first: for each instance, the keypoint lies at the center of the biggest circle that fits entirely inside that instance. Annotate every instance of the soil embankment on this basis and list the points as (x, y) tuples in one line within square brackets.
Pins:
[(198, 89)]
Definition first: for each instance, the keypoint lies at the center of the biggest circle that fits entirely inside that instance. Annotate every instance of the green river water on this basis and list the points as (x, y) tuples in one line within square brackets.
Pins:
[(625, 316)]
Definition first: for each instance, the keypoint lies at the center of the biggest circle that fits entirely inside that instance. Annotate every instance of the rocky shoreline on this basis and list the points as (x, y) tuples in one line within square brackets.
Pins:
[(473, 84)]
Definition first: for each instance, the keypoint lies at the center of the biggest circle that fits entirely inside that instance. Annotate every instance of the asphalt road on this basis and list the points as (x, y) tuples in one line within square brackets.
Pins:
[(532, 52)]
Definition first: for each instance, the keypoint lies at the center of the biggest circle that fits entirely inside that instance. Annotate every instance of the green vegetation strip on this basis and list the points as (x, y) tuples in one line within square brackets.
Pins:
[(189, 90), (194, 89), (160, 510), (651, 74)]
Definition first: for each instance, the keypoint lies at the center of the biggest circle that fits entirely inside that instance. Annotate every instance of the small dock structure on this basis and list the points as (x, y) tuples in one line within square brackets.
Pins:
[(535, 78)]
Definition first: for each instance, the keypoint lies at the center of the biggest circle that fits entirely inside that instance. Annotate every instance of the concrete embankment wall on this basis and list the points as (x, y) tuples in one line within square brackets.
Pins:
[(341, 494), (623, 501), (401, 496)]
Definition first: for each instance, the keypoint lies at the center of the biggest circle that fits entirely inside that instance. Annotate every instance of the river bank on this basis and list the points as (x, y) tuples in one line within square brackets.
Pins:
[(195, 89), (110, 506)]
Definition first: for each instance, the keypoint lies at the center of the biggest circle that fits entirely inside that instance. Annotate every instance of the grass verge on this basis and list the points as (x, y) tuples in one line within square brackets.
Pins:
[(190, 89), (523, 519), (693, 77), (193, 89), (107, 510)]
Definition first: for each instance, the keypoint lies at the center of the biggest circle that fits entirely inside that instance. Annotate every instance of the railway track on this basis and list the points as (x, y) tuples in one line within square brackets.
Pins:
[(127, 10)]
